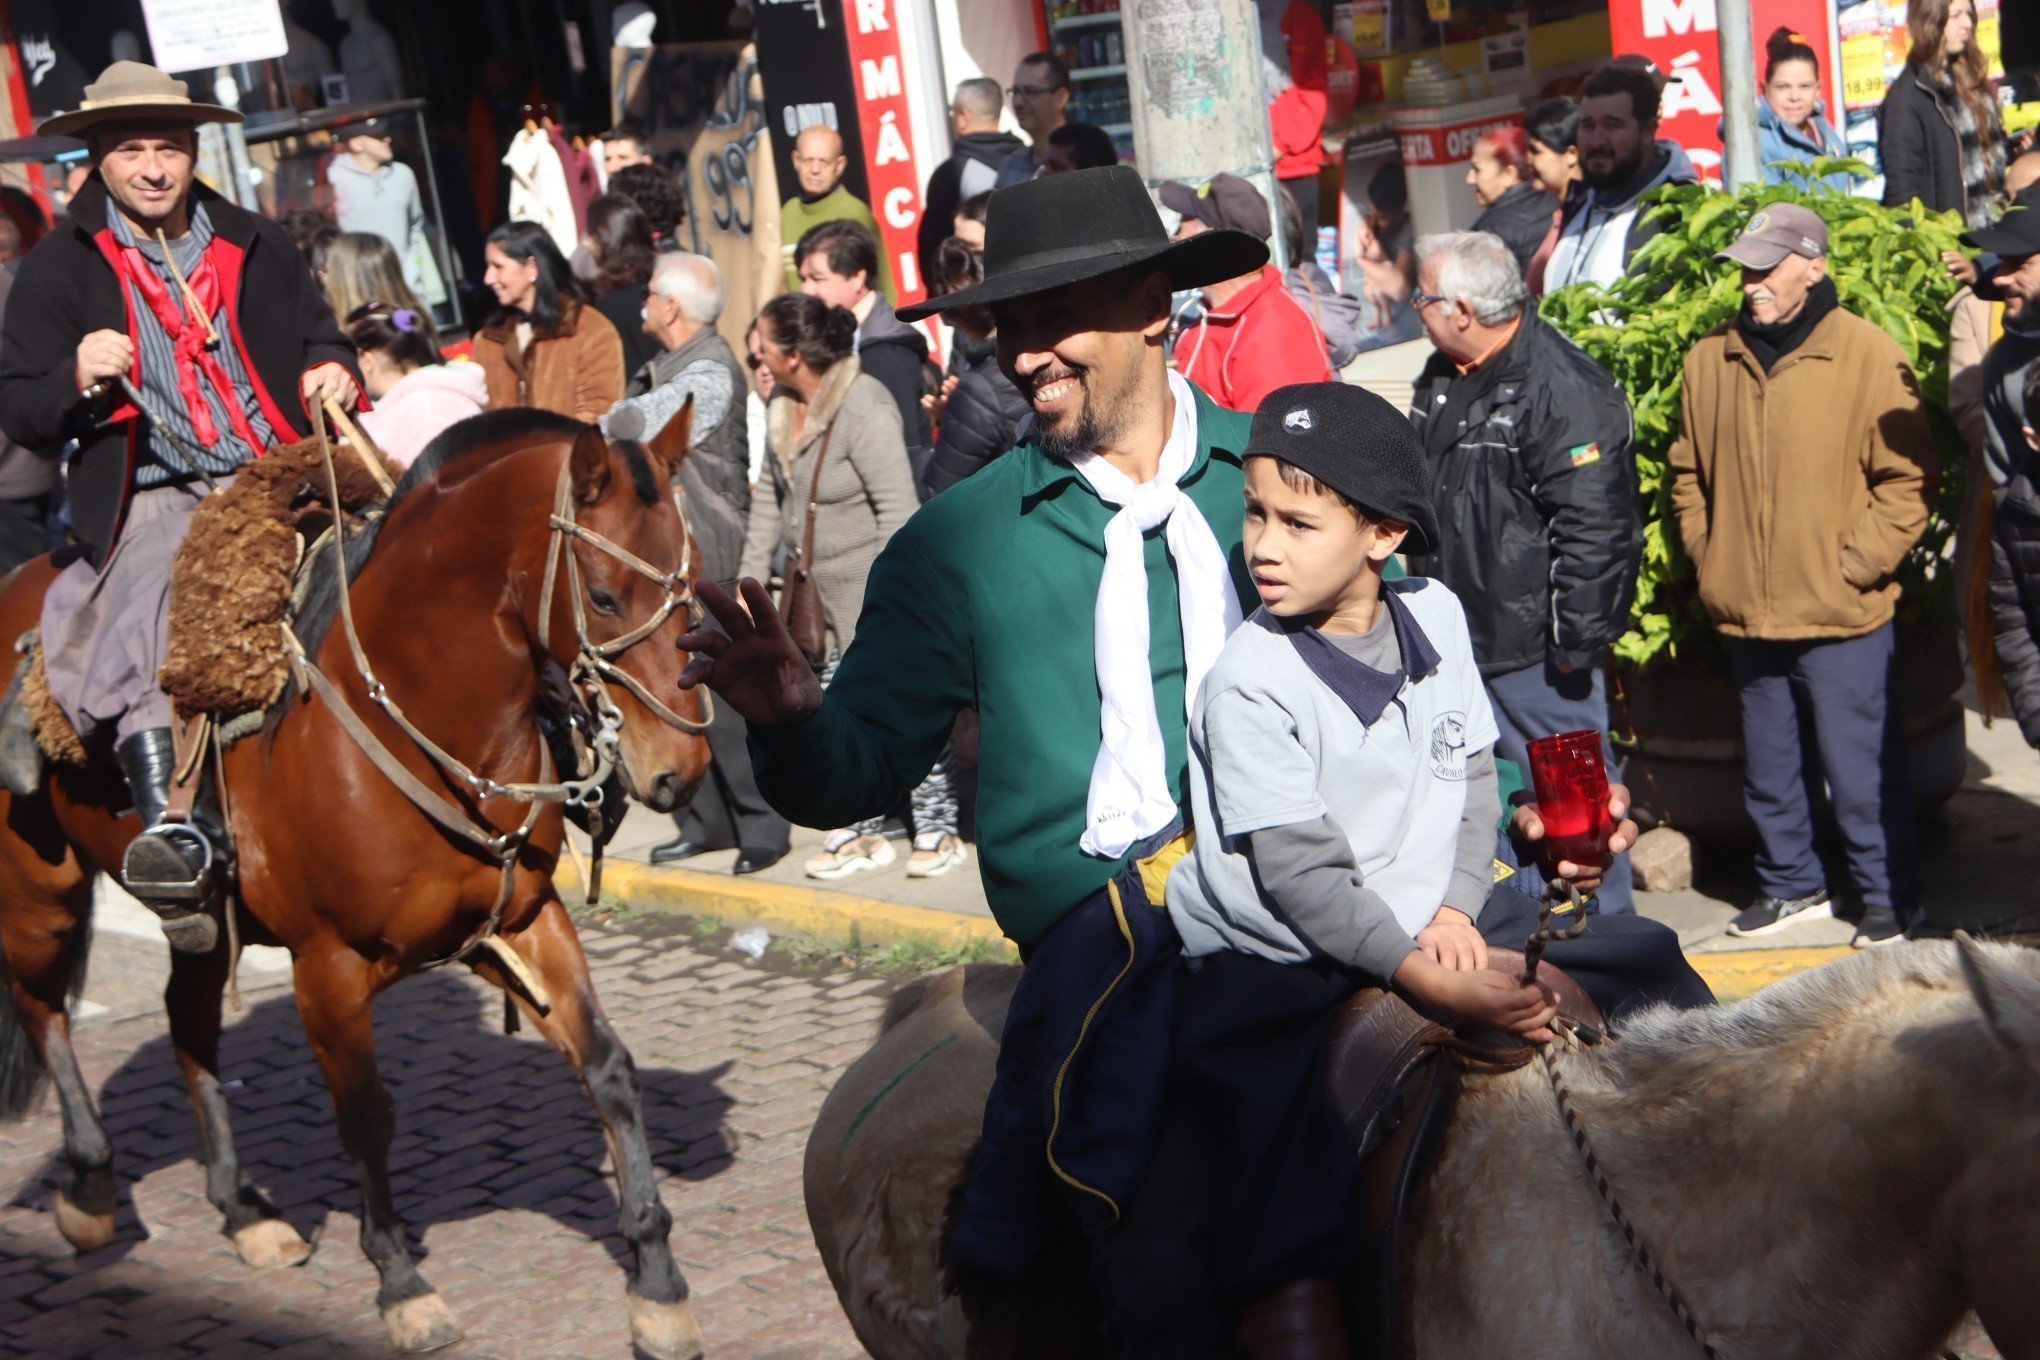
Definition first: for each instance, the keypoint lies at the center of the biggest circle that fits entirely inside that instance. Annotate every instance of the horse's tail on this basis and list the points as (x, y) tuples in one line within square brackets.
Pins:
[(21, 1068)]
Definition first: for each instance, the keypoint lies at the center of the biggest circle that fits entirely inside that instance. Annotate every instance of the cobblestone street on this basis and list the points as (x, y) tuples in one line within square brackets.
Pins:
[(499, 1164)]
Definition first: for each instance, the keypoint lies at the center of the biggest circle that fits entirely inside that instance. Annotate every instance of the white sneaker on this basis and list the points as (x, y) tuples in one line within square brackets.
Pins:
[(850, 855), (935, 856)]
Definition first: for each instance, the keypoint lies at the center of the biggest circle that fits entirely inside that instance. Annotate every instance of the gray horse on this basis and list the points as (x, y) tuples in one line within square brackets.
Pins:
[(1836, 1169)]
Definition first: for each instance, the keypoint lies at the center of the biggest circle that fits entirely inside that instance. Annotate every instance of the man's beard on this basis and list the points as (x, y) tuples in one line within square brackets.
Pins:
[(1088, 431), (1619, 174)]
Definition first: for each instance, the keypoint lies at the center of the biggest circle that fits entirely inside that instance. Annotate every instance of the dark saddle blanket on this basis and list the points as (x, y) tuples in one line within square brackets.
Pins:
[(1393, 1075)]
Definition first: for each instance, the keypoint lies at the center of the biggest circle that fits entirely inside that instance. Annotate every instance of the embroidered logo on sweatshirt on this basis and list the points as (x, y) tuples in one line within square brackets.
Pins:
[(1583, 454)]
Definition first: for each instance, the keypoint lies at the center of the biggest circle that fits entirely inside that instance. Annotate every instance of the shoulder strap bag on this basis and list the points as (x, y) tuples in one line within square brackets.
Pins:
[(800, 603)]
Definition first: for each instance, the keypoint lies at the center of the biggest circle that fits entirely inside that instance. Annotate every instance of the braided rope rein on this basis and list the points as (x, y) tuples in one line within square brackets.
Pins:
[(1640, 1254)]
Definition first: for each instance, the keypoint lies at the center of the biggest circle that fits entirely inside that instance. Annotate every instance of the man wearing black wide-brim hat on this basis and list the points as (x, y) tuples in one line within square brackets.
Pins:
[(148, 283), (1074, 592)]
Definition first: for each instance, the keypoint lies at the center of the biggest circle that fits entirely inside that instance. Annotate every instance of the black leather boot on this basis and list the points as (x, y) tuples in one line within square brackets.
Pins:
[(169, 867)]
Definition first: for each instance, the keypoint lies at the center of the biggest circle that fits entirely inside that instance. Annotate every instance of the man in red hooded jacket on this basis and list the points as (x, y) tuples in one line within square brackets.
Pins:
[(1254, 336)]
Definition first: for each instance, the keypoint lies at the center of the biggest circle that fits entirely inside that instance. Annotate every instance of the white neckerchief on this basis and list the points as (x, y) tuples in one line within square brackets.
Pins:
[(1131, 797)]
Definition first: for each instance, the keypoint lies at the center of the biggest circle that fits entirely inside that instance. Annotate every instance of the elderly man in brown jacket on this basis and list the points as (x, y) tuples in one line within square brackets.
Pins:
[(1803, 476)]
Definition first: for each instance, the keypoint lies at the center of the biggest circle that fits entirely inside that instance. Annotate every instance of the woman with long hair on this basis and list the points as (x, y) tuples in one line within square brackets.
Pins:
[(827, 413), (1791, 120), (619, 236), (1938, 132), (546, 346), (416, 394), (361, 270), (1512, 206), (1551, 144)]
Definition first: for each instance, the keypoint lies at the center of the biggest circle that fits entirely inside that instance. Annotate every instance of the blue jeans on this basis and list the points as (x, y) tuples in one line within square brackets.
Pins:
[(1840, 689)]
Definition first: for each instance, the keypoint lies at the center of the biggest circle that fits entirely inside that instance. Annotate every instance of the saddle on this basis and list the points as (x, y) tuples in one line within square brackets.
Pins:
[(1393, 1076)]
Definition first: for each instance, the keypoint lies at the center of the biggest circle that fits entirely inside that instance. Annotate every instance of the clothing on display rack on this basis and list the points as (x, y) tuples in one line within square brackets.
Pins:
[(539, 187)]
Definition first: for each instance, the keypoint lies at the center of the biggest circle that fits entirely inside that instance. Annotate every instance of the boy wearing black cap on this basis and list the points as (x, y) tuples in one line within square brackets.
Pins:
[(1345, 804)]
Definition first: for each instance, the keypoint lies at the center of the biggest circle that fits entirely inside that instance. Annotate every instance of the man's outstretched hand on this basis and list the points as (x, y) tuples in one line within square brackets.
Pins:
[(751, 664)]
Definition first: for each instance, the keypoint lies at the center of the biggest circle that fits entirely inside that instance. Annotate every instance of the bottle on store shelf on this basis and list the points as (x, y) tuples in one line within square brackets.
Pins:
[(1115, 51)]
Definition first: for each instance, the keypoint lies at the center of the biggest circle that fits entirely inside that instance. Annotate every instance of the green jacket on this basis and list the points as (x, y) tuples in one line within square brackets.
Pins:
[(986, 600)]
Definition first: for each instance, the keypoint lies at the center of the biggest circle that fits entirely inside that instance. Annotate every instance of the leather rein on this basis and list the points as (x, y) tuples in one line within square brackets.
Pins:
[(593, 671)]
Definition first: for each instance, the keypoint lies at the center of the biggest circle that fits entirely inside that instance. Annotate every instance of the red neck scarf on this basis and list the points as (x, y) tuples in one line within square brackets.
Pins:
[(188, 338)]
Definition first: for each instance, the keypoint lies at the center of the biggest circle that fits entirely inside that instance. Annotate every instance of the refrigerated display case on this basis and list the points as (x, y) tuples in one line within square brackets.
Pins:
[(1087, 35)]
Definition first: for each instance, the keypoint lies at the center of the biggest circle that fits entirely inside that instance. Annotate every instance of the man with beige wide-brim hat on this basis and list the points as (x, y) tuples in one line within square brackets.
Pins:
[(146, 290)]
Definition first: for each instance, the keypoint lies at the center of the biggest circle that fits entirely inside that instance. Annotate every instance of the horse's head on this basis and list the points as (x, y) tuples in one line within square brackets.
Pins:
[(626, 592)]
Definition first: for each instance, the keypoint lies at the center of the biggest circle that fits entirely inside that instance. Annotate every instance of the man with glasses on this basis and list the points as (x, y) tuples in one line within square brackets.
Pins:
[(980, 148), (1040, 94), (1539, 533), (818, 165)]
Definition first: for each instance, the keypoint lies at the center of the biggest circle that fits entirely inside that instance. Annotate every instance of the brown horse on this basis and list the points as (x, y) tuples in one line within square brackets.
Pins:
[(351, 875), (1834, 1169)]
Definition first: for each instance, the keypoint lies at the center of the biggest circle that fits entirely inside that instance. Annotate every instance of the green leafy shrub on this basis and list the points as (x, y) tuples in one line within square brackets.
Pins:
[(1886, 264)]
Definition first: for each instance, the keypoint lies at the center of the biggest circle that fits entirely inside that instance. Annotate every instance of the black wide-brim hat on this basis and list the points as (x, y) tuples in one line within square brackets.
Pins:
[(1043, 234)]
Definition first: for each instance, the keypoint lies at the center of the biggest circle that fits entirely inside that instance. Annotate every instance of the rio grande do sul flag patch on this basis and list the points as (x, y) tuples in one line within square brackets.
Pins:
[(1584, 454)]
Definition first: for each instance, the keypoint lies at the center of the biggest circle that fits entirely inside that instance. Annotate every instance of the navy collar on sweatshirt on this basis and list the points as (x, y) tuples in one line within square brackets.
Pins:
[(1360, 687)]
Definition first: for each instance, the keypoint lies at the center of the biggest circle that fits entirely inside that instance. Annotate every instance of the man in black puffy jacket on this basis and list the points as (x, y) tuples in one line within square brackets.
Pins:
[(1529, 442)]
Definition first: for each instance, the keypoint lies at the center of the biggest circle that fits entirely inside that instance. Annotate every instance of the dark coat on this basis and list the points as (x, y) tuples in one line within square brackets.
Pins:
[(1539, 528), (282, 326), (2015, 594), (625, 308), (1522, 218), (1919, 149), (1920, 153), (981, 420), (945, 187), (897, 355)]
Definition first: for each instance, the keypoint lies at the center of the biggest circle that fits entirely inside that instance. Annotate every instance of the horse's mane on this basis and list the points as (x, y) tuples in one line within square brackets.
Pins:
[(496, 433), (1663, 1046)]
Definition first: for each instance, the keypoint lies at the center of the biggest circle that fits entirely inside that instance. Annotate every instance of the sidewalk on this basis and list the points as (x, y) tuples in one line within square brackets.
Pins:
[(1978, 856)]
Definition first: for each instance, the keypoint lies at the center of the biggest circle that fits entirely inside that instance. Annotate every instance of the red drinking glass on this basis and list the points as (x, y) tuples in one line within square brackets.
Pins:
[(1572, 799)]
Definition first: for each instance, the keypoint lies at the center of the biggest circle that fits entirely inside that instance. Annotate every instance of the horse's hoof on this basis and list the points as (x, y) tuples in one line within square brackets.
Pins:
[(271, 1242), (86, 1232), (664, 1331), (421, 1324)]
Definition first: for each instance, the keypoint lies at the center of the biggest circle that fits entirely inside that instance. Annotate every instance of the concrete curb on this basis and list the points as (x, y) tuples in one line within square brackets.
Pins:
[(782, 908), (792, 909)]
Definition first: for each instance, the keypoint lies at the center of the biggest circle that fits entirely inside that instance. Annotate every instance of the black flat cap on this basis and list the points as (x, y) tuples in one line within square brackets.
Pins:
[(1356, 444)]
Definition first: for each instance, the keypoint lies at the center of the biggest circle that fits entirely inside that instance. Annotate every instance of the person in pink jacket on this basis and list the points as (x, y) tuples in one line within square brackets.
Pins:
[(416, 395)]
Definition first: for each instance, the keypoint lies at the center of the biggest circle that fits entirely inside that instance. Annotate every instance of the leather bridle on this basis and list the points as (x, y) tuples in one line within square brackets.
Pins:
[(593, 671)]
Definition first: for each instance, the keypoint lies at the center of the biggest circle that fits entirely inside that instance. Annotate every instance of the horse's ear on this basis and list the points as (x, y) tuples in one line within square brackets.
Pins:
[(670, 445), (2010, 1000), (590, 463)]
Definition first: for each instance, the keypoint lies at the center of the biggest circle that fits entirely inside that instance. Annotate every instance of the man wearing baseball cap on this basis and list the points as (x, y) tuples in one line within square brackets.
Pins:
[(1254, 336), (1802, 478), (2014, 242), (376, 193)]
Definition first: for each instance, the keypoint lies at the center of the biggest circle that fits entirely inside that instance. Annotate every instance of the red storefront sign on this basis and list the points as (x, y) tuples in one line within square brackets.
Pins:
[(1452, 144), (893, 178), (1681, 37)]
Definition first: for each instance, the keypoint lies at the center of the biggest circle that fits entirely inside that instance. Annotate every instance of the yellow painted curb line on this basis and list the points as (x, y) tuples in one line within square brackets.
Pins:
[(1737, 973), (791, 909), (782, 908)]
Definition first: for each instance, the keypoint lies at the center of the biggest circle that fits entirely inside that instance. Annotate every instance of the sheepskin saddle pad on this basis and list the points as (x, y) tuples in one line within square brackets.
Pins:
[(232, 583)]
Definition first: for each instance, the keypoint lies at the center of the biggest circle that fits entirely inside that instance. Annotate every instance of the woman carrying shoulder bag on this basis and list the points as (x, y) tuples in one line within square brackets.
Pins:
[(833, 440)]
